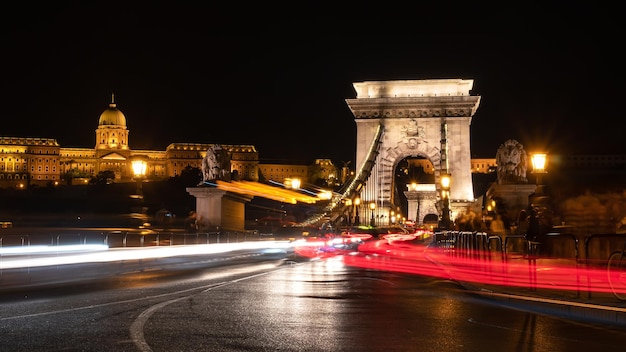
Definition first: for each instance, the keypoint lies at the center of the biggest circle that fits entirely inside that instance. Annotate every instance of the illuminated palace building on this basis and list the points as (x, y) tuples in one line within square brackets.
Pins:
[(41, 161)]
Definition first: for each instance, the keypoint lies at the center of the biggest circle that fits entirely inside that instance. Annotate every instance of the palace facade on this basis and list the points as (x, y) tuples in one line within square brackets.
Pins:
[(42, 161)]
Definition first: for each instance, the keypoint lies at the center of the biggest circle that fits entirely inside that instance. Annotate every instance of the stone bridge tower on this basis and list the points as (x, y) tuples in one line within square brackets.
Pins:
[(416, 118)]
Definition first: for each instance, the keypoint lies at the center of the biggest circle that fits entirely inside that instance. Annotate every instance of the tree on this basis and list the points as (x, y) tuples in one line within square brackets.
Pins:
[(190, 176), (103, 178), (316, 175), (73, 172)]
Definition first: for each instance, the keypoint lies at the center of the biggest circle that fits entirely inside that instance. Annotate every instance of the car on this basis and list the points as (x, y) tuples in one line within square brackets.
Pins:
[(330, 244)]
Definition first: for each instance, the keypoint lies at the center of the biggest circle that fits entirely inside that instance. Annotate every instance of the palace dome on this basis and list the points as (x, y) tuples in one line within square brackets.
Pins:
[(112, 116)]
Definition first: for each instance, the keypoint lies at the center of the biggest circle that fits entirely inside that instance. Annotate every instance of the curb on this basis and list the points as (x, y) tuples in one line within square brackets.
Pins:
[(585, 312)]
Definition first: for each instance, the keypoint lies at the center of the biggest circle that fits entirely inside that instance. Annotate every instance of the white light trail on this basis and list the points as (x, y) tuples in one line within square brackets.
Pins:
[(130, 253), (25, 250)]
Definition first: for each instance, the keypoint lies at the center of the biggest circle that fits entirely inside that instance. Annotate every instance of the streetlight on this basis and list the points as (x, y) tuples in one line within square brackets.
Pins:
[(357, 202), (539, 165), (139, 172), (540, 197), (349, 205), (491, 207), (445, 197), (372, 220)]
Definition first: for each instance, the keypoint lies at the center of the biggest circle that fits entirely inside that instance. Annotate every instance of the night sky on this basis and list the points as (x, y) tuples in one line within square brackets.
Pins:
[(277, 77)]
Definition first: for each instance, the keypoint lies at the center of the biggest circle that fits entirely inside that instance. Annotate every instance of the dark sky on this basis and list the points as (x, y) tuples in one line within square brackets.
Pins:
[(277, 77)]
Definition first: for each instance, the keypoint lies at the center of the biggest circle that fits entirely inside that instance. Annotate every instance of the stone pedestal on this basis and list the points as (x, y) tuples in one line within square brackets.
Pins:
[(515, 197), (218, 209)]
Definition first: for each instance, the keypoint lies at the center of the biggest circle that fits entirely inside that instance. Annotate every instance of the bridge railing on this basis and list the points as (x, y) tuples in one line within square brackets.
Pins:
[(561, 248), (556, 245), (355, 185), (117, 239)]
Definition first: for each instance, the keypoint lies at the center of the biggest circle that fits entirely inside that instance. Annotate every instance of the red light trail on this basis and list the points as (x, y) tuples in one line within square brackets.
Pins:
[(488, 268)]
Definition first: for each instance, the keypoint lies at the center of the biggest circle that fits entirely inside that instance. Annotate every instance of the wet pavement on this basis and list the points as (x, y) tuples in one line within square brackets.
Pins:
[(546, 285)]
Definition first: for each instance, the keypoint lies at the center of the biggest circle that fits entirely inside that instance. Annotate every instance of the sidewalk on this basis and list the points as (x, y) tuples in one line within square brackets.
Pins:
[(543, 285)]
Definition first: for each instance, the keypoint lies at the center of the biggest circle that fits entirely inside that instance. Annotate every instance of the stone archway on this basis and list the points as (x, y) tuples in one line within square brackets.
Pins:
[(423, 118)]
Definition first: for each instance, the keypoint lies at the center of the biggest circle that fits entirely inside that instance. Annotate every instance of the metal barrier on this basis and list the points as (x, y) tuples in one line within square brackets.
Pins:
[(494, 243), (462, 242), (557, 245), (486, 247), (14, 240), (116, 239), (514, 245), (598, 248)]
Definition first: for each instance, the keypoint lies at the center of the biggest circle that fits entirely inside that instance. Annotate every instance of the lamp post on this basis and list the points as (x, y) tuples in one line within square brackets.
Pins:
[(445, 198), (139, 172), (357, 203), (539, 165), (349, 206), (372, 208), (540, 198)]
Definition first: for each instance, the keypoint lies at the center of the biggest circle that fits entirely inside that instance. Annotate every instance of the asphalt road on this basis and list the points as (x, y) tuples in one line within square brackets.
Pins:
[(265, 301)]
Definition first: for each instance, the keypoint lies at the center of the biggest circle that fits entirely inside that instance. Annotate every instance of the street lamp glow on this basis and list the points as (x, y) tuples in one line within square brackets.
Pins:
[(357, 203), (539, 165), (445, 181), (348, 204), (539, 162), (139, 168), (445, 198)]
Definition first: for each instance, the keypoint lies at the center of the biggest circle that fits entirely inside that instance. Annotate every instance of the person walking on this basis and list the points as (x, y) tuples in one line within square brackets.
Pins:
[(497, 226), (191, 222), (522, 223), (534, 227)]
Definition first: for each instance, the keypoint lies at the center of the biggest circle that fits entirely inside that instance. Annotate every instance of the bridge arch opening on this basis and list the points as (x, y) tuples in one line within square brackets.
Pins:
[(413, 182)]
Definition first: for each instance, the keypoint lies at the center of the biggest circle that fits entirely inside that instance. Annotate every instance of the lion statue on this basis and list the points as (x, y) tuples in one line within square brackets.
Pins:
[(210, 165), (216, 164), (511, 163)]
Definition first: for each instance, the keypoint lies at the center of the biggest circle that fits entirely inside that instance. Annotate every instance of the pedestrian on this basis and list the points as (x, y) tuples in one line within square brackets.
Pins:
[(506, 220), (479, 225), (465, 220), (533, 233), (522, 223), (191, 222), (497, 226)]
